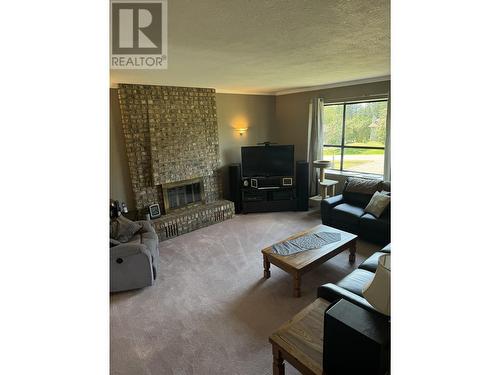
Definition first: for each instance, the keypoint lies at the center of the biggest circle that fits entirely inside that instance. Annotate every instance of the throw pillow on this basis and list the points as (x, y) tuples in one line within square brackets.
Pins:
[(378, 204), (123, 229), (361, 185)]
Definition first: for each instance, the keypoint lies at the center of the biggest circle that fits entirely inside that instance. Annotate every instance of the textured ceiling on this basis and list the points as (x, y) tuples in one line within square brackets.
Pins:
[(266, 46)]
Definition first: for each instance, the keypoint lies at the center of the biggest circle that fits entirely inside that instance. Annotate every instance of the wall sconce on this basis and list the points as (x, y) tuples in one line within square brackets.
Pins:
[(240, 124), (241, 130)]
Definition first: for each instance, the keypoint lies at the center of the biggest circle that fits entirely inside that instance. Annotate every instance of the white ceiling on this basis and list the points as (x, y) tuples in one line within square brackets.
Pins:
[(271, 46)]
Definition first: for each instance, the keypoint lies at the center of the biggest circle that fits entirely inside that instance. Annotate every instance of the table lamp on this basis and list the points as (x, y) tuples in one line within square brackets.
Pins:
[(378, 291)]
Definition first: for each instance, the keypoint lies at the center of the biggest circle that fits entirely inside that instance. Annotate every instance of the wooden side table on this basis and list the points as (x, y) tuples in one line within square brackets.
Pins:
[(300, 341)]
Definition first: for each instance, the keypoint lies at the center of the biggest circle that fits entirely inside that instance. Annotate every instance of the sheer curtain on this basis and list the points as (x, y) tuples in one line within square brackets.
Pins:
[(387, 158), (314, 141)]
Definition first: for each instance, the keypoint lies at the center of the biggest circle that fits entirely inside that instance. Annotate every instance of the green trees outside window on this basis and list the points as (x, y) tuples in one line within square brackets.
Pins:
[(354, 136)]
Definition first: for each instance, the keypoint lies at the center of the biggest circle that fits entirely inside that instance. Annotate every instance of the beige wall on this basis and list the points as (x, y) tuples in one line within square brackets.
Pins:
[(292, 111), (253, 111), (233, 111), (120, 185)]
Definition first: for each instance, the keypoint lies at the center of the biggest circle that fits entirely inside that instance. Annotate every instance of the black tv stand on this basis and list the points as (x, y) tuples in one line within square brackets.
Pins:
[(268, 199)]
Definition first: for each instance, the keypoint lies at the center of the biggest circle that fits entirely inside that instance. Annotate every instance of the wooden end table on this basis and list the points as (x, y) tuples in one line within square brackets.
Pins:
[(300, 341), (299, 263)]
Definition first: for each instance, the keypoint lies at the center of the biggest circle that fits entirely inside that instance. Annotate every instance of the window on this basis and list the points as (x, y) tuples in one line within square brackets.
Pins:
[(354, 136)]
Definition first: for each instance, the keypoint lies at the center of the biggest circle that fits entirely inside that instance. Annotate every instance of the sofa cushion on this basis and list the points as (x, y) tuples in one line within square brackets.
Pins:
[(356, 280), (136, 239), (371, 263), (378, 204), (358, 191), (347, 214), (361, 185), (123, 229), (384, 186)]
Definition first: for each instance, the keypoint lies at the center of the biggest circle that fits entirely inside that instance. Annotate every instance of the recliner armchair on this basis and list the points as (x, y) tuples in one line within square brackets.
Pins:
[(134, 264)]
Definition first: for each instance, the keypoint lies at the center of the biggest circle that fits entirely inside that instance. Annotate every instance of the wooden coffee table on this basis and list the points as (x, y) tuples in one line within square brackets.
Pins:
[(299, 263)]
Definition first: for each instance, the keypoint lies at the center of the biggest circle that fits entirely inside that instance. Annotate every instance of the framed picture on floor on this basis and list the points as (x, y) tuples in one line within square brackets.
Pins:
[(154, 211)]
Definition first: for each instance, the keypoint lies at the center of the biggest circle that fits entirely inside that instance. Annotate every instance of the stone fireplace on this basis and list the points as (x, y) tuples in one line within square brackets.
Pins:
[(172, 145)]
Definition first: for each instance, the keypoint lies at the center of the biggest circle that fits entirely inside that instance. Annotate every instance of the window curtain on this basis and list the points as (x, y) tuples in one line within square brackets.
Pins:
[(315, 141), (387, 158)]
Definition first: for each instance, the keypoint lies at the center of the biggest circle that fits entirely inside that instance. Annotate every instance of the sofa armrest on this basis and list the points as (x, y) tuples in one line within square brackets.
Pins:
[(332, 201), (149, 237), (327, 204), (146, 226), (334, 293)]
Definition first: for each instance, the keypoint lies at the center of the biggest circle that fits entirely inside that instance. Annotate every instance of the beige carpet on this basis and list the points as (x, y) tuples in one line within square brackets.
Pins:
[(210, 311)]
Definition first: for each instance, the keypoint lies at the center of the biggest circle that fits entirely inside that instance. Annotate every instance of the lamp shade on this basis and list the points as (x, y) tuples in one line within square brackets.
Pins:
[(378, 291)]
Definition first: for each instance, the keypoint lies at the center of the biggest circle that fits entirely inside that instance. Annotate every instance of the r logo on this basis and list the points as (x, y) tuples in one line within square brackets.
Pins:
[(136, 28), (138, 34)]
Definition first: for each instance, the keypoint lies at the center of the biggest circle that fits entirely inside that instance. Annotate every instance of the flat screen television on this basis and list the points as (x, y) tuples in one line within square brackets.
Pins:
[(267, 161)]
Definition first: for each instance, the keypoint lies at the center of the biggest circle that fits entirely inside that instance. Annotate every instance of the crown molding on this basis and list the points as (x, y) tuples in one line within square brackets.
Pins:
[(299, 89), (223, 91), (334, 85)]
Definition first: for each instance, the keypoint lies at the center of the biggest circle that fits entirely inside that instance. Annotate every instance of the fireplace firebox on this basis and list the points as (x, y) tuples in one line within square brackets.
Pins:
[(183, 193)]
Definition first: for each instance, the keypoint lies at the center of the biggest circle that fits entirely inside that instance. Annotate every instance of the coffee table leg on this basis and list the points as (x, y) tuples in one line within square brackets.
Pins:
[(296, 285), (267, 266), (278, 365), (352, 255)]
